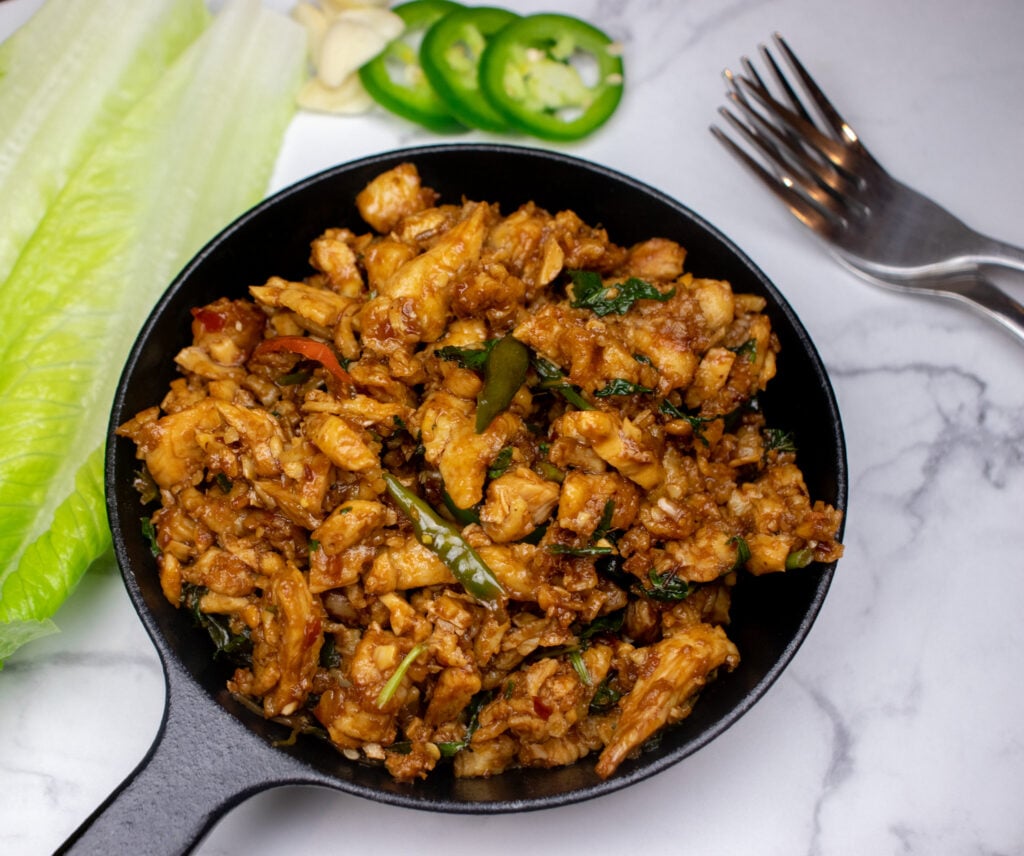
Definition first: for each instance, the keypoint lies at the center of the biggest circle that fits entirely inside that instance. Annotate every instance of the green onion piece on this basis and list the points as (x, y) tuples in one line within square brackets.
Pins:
[(799, 559), (742, 551), (580, 667), (566, 550), (385, 695), (149, 531)]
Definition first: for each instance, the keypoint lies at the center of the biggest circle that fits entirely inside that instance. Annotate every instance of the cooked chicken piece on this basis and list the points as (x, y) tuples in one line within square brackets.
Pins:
[(585, 498), (655, 260), (412, 304), (173, 456), (524, 244), (618, 441), (671, 672), (350, 712), (393, 195), (363, 410), (706, 555), (320, 307), (286, 645), (447, 426), (749, 447), (242, 608), (490, 291), (423, 285), (382, 259), (260, 434), (708, 604), (332, 254), (464, 462), (413, 761), (171, 581), (351, 523), (488, 757), (404, 619), (580, 342), (517, 503), (372, 376), (227, 330), (300, 494), (342, 443), (197, 361), (329, 571), (440, 419), (513, 566), (716, 301), (423, 228), (586, 247), (711, 375), (452, 691), (180, 396), (406, 565), (221, 572)]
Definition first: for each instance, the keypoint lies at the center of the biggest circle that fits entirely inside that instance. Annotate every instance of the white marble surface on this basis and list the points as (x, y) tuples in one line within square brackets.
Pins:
[(899, 727)]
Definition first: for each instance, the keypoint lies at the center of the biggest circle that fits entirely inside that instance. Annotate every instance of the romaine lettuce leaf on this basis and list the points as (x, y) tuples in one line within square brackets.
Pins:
[(66, 78), (194, 153)]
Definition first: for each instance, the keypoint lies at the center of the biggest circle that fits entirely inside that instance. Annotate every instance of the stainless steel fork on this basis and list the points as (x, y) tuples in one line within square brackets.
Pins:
[(879, 227)]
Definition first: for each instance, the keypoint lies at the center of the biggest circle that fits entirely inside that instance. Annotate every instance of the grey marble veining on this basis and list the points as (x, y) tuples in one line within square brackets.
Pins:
[(899, 726)]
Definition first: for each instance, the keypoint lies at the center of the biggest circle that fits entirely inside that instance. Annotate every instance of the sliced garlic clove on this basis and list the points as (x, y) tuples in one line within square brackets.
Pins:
[(348, 98)]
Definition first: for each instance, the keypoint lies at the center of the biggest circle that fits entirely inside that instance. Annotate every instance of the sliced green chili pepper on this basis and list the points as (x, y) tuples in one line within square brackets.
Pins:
[(504, 373), (450, 57), (440, 537), (395, 79), (528, 74), (461, 515)]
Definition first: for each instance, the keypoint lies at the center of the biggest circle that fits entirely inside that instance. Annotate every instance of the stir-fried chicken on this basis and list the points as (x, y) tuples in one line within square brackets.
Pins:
[(421, 583)]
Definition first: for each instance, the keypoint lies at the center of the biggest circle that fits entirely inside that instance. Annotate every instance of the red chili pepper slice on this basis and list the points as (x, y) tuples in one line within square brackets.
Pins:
[(305, 347), (213, 322)]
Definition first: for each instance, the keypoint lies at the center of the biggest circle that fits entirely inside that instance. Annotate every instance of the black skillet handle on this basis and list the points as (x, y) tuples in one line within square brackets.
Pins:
[(202, 763)]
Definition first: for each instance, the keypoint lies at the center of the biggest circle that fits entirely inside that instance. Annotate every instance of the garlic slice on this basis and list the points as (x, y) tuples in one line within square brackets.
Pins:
[(343, 35)]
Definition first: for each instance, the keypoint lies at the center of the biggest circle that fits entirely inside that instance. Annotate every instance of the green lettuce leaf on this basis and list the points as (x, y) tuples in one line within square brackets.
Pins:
[(53, 563), (66, 78), (194, 153)]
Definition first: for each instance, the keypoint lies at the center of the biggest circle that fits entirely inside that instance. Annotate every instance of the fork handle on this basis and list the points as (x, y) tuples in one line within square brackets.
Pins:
[(990, 300), (999, 253)]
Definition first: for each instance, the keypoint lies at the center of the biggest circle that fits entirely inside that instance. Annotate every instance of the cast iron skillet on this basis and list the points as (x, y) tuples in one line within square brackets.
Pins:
[(211, 753)]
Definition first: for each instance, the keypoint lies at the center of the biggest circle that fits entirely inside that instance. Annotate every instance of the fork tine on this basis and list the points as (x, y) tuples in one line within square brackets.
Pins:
[(789, 153), (840, 127), (838, 154), (811, 215), (792, 166), (783, 82)]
